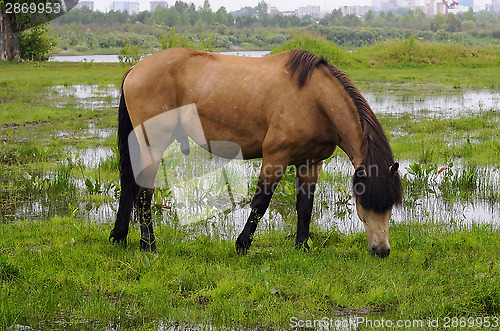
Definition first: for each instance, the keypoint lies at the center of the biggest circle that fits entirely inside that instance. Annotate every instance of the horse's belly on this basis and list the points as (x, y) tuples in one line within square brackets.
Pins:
[(228, 140), (235, 144)]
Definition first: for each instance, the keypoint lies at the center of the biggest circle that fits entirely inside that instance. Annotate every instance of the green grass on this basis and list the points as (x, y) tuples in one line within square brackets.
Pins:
[(454, 76), (468, 138), (64, 273), (410, 52), (26, 97), (53, 73), (396, 53)]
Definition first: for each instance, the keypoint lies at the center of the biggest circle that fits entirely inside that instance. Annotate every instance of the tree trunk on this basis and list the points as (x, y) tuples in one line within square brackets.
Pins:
[(9, 40)]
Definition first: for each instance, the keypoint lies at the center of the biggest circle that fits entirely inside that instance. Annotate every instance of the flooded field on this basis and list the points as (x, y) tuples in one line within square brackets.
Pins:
[(429, 101), (84, 182), (59, 191)]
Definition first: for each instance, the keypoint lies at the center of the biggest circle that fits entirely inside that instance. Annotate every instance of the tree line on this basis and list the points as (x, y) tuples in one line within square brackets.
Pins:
[(248, 28), (183, 15)]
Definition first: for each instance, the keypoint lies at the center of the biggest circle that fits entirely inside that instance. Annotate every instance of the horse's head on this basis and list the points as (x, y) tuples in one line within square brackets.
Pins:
[(377, 229), (376, 192)]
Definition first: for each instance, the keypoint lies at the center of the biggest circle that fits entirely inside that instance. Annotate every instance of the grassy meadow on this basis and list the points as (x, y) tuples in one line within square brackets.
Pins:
[(60, 272)]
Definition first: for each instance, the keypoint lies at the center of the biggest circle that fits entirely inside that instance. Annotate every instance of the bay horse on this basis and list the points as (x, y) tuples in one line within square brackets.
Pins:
[(291, 108)]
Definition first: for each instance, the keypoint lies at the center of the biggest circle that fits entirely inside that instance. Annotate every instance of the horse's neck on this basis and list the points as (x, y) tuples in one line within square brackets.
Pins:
[(352, 142), (346, 124)]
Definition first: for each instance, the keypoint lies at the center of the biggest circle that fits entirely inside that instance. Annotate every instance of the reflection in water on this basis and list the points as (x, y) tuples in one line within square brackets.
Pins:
[(88, 96), (333, 209), (334, 206), (430, 103), (421, 103)]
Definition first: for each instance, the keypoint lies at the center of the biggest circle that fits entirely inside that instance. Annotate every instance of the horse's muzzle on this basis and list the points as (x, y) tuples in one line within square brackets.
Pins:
[(380, 251)]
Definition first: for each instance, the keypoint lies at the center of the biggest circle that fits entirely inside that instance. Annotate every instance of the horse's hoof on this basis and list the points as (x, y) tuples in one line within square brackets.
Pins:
[(116, 238), (243, 244), (302, 245), (147, 247)]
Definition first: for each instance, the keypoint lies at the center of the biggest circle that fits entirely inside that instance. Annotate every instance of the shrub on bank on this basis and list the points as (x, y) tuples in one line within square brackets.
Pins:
[(321, 47), (400, 52), (409, 52)]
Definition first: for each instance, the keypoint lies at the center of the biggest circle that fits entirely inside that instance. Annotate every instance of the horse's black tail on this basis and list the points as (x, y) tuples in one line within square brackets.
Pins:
[(129, 188)]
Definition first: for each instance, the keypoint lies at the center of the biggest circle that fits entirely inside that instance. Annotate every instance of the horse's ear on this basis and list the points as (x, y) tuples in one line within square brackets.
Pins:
[(393, 168)]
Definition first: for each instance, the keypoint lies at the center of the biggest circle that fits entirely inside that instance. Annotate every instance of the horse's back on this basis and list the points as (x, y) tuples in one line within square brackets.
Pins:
[(178, 76), (244, 100)]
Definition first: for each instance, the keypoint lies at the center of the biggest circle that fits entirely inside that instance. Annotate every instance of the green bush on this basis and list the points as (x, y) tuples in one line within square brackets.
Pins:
[(131, 53), (35, 45), (321, 47), (173, 39)]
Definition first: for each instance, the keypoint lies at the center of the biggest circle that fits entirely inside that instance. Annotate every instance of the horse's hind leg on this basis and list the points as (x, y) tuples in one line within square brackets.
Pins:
[(147, 178), (156, 144), (307, 175)]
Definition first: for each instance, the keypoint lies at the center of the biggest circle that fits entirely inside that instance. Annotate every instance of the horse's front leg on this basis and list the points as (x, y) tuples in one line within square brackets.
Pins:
[(307, 175), (148, 242), (269, 178)]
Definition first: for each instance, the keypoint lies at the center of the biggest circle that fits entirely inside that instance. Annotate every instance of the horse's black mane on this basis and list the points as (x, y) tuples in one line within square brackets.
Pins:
[(381, 189)]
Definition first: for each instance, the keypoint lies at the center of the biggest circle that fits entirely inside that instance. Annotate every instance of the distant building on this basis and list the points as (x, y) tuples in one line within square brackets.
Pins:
[(388, 5), (467, 3), (313, 11), (359, 11), (441, 8), (289, 13), (158, 4), (131, 7), (495, 6), (460, 9), (85, 4), (383, 5), (404, 3)]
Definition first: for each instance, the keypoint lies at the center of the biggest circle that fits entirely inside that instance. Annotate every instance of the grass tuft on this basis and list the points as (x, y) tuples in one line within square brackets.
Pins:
[(410, 52)]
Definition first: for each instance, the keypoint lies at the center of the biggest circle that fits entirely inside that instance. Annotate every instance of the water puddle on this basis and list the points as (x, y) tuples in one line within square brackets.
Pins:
[(426, 205), (86, 96), (91, 157), (427, 102), (334, 205), (90, 133)]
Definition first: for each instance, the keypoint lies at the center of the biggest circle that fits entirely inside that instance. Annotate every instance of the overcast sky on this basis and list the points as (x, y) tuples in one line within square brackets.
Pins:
[(231, 5)]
